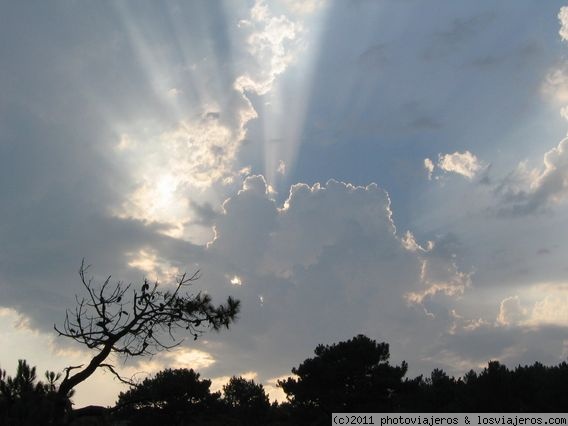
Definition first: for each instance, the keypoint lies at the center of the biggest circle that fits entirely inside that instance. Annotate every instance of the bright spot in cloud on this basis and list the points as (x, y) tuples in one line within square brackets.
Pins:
[(173, 92), (155, 267), (190, 358), (125, 142), (275, 392), (217, 383), (200, 148), (236, 281)]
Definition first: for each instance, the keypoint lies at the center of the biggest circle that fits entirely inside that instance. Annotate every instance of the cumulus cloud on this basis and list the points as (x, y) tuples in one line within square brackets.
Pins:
[(335, 248), (327, 249), (511, 311), (429, 167), (529, 326), (555, 85), (563, 17), (528, 191), (269, 44), (464, 163), (542, 305), (200, 149)]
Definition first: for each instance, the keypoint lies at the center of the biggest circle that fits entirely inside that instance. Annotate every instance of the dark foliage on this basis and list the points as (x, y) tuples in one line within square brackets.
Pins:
[(534, 388), (26, 401), (170, 395), (348, 376), (247, 400), (170, 390)]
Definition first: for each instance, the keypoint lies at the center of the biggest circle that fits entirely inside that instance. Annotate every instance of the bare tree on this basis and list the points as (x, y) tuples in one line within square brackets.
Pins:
[(116, 318)]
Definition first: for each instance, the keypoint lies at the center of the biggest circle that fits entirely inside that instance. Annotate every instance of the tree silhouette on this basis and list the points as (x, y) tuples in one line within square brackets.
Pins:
[(170, 390), (247, 399), (348, 376), (130, 322), (26, 401)]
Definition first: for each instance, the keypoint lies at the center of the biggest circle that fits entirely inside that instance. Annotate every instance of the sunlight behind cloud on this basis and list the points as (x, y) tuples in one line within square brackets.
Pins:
[(189, 358), (217, 383), (537, 306), (155, 267), (198, 139), (236, 281), (295, 45)]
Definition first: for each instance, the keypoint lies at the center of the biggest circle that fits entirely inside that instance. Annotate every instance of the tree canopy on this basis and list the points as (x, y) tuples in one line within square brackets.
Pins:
[(170, 390), (353, 375), (24, 400), (348, 376), (247, 399)]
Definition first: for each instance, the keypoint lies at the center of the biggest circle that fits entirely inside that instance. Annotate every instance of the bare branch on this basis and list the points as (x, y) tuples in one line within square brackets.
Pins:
[(147, 322), (110, 367)]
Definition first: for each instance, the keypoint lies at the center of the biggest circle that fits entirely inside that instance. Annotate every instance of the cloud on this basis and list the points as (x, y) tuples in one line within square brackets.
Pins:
[(188, 358), (154, 267), (200, 149), (544, 305), (464, 163), (555, 85), (270, 44), (217, 383), (563, 18), (205, 214), (327, 249), (511, 311), (529, 326), (529, 191), (461, 32), (304, 7), (429, 166)]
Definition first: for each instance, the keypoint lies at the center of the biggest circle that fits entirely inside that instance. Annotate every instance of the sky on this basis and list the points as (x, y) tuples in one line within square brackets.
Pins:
[(392, 168)]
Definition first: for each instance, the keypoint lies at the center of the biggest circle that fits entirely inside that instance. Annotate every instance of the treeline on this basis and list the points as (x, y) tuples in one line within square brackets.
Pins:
[(350, 376)]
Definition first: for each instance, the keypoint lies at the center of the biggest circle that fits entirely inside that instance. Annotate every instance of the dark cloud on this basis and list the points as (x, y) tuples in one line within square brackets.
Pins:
[(460, 32), (511, 345), (374, 57), (206, 213)]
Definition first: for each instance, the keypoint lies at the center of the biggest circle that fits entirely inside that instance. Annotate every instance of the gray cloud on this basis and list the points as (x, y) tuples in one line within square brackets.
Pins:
[(527, 192)]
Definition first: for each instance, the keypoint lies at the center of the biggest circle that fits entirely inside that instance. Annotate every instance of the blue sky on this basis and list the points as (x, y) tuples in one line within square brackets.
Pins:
[(393, 168)]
